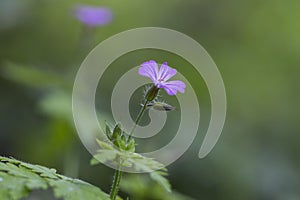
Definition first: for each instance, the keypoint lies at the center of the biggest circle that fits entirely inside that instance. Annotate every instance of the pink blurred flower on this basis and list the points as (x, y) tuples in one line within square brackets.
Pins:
[(93, 15)]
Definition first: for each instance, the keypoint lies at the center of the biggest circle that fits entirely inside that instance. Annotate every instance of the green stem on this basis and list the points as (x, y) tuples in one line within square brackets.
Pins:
[(138, 119), (118, 172), (116, 184)]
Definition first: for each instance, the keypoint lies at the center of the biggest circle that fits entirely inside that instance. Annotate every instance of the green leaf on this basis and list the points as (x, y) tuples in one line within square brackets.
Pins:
[(143, 187), (18, 179), (117, 132), (105, 145), (42, 171), (12, 188), (104, 156), (131, 146), (71, 190), (161, 180), (108, 131), (109, 154)]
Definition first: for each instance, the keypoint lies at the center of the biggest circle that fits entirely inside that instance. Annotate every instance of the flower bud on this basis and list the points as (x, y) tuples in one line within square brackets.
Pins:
[(160, 106), (117, 132), (152, 93)]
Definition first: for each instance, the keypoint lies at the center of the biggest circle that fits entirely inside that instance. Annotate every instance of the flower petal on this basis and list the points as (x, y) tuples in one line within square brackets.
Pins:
[(166, 72), (172, 87), (149, 69)]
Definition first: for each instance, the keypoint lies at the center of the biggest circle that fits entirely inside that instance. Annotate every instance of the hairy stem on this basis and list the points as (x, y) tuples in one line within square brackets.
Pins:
[(118, 172), (138, 119), (116, 184)]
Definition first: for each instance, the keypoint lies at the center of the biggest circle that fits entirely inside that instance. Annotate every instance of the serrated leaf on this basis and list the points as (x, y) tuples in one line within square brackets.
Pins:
[(12, 188), (110, 154), (18, 179), (43, 171), (76, 190), (104, 156)]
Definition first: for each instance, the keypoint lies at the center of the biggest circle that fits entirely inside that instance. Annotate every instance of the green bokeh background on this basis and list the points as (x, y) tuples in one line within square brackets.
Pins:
[(255, 44)]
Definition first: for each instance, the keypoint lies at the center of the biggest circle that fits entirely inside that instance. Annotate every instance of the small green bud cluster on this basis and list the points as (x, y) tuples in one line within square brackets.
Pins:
[(119, 138)]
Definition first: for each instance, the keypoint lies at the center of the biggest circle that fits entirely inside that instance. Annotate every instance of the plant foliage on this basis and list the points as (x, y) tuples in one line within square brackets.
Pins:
[(18, 179)]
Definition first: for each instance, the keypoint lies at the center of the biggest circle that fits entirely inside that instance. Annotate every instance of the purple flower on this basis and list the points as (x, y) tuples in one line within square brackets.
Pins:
[(161, 76), (93, 16)]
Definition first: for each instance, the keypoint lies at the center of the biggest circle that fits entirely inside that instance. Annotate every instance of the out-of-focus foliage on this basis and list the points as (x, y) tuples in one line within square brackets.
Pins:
[(142, 187), (33, 77), (18, 179)]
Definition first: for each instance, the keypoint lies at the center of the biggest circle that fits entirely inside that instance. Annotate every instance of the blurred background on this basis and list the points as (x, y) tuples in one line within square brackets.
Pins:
[(255, 44)]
